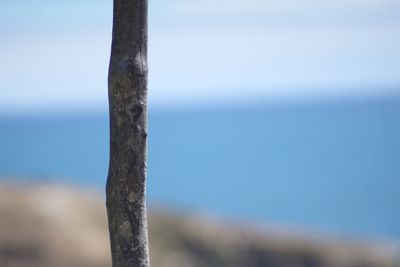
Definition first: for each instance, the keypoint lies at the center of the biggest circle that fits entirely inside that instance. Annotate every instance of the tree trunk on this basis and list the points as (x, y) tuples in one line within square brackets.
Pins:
[(127, 91)]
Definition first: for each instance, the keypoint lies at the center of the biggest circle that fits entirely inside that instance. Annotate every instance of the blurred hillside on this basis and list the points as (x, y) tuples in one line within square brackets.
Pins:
[(54, 226)]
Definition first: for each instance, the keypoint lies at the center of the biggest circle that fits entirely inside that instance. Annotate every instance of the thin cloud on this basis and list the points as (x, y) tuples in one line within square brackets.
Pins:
[(203, 50)]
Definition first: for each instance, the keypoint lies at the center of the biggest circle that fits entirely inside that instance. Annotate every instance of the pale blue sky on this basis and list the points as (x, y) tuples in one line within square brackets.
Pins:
[(54, 54)]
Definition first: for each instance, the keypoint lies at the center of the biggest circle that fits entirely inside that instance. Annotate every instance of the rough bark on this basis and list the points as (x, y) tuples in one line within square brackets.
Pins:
[(127, 89)]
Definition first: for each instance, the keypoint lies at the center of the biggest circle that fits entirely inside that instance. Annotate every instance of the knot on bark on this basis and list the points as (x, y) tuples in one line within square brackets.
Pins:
[(135, 111)]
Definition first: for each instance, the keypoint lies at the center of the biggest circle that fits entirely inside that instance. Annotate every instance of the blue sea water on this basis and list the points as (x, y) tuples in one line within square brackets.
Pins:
[(331, 166)]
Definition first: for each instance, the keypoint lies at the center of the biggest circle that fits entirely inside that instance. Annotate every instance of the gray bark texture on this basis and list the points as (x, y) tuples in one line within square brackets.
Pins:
[(127, 90)]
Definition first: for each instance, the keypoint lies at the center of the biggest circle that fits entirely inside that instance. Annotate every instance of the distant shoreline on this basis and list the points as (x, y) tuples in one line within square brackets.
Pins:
[(39, 220)]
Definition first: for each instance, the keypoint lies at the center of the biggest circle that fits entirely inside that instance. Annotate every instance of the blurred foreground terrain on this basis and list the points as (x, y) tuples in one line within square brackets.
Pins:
[(58, 226)]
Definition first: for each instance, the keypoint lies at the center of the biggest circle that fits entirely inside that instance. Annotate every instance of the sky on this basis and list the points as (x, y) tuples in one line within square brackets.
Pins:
[(54, 54)]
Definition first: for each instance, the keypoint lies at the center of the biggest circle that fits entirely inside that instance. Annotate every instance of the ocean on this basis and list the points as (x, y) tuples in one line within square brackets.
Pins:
[(332, 167)]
